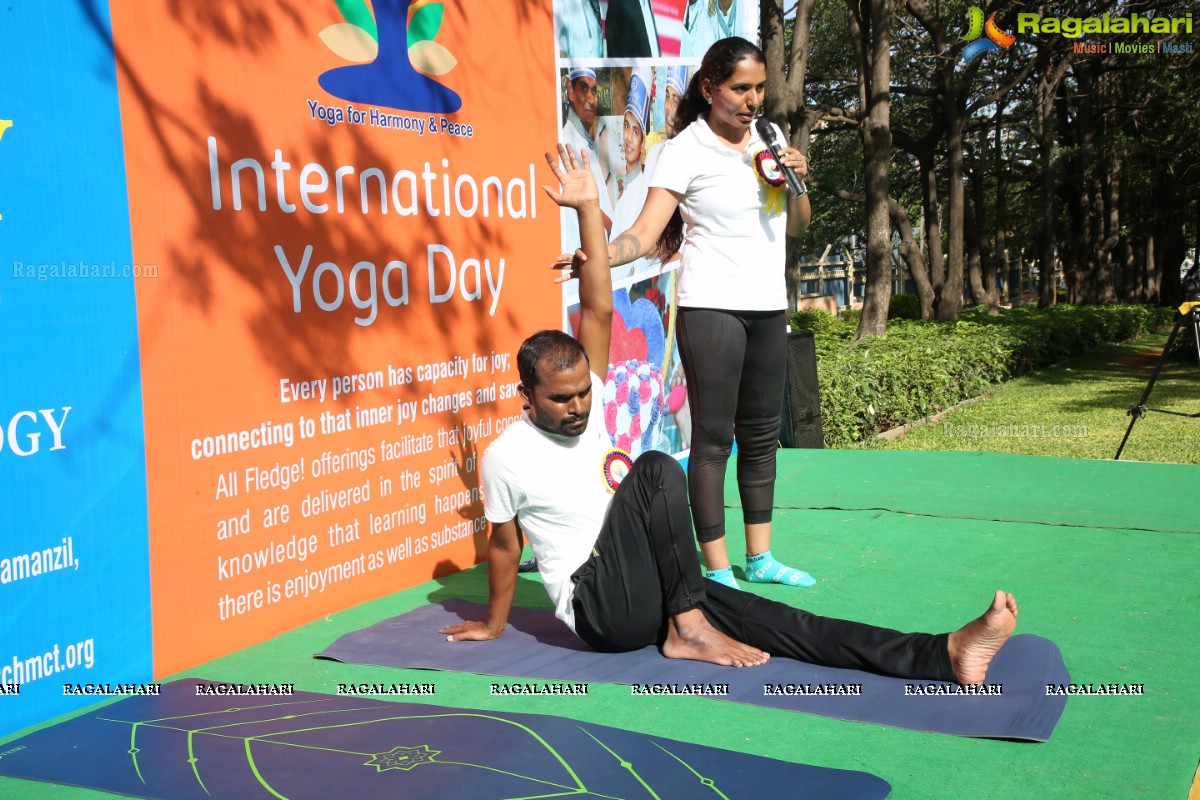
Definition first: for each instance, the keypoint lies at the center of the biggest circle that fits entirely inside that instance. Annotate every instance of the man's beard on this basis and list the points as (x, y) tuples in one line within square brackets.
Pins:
[(571, 427)]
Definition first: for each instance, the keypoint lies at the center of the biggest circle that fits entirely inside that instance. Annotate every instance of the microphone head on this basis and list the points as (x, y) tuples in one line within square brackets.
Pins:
[(765, 131)]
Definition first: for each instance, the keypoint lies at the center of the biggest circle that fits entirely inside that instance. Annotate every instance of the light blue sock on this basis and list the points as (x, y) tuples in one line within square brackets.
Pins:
[(724, 576), (763, 568)]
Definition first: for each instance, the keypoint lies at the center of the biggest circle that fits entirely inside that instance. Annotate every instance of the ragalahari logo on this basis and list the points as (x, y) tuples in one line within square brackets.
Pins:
[(394, 53), (996, 37)]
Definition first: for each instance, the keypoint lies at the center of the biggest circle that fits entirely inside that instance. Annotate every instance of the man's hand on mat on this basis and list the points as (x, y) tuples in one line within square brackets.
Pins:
[(470, 632), (973, 646), (691, 636)]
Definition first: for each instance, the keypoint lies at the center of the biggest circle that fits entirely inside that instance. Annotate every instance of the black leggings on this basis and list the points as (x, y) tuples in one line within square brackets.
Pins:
[(735, 362), (644, 569)]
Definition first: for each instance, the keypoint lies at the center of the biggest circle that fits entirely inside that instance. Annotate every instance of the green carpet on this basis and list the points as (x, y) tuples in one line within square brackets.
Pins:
[(993, 486), (1121, 602)]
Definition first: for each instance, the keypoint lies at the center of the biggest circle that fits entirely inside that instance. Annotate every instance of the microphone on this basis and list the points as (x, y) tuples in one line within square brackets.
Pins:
[(766, 132)]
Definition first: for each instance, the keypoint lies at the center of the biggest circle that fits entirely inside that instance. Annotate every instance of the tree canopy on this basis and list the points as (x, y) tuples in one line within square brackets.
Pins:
[(962, 140)]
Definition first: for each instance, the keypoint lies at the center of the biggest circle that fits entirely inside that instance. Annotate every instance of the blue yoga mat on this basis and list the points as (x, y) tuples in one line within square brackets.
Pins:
[(180, 746), (539, 646)]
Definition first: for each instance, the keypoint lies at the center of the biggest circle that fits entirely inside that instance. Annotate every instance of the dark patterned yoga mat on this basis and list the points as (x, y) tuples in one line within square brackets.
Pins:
[(181, 746), (539, 646)]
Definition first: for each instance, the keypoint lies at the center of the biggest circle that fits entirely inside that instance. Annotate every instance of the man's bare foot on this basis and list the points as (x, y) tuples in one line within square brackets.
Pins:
[(691, 636), (973, 646)]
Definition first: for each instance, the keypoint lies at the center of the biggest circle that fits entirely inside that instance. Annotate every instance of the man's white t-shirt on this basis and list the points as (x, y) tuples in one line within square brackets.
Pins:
[(733, 247), (554, 487)]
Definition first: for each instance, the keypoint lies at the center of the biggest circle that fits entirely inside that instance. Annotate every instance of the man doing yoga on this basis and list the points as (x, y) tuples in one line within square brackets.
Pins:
[(616, 552)]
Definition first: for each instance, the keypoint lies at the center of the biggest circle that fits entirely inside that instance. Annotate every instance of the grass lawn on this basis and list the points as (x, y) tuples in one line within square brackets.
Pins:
[(1077, 410)]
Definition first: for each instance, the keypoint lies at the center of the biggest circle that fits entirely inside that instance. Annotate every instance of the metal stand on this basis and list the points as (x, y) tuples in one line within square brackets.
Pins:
[(1191, 317)]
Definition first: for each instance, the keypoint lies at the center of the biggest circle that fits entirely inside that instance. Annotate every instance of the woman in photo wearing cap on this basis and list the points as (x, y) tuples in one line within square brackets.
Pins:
[(716, 176), (674, 85)]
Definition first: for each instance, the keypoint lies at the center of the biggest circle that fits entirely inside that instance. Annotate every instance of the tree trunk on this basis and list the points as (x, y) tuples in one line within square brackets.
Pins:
[(1170, 251), (786, 69), (910, 251), (926, 277), (1082, 186), (992, 264), (950, 298), (1106, 289), (1131, 242), (976, 241), (932, 233), (870, 27), (1047, 90)]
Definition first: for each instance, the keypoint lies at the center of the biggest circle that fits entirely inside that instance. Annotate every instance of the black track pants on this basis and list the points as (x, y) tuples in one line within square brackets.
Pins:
[(644, 569)]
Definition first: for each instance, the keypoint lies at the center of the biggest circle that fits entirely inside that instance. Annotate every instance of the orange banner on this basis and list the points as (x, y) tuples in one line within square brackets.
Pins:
[(344, 204)]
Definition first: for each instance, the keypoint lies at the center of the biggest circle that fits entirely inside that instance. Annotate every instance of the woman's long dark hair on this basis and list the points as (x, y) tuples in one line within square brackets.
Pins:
[(718, 64)]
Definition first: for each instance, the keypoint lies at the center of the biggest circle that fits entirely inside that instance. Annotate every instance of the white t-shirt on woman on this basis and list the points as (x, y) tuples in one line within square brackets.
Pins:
[(733, 246)]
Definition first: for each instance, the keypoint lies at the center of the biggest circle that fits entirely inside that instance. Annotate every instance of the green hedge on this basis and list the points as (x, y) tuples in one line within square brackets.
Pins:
[(904, 306), (921, 368)]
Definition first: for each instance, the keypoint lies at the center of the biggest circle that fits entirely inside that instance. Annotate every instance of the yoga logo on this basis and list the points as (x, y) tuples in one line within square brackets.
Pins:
[(996, 37), (394, 53)]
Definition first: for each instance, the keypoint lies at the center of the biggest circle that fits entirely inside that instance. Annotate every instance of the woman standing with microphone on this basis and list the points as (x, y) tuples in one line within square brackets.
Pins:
[(716, 197)]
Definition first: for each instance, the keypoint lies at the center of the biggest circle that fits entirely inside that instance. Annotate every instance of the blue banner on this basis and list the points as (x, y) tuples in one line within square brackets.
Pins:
[(74, 562)]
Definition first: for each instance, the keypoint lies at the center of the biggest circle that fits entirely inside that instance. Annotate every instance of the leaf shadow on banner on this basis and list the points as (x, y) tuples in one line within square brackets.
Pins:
[(467, 461), (241, 246)]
